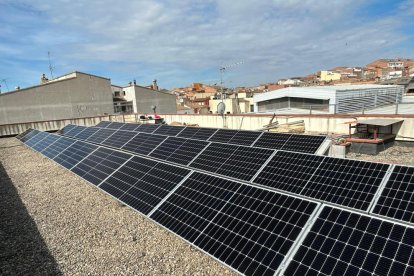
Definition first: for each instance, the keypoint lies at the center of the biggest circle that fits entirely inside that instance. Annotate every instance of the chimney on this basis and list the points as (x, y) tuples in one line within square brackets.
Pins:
[(135, 82), (154, 85), (43, 79)]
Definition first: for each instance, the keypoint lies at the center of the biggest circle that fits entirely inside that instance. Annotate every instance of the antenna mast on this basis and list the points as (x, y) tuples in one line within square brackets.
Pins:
[(5, 83), (223, 68), (50, 65)]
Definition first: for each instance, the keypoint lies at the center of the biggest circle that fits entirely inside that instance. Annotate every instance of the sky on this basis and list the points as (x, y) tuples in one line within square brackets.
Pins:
[(179, 42)]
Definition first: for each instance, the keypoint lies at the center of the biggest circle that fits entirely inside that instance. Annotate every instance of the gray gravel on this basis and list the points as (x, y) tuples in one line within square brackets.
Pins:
[(52, 222), (395, 155)]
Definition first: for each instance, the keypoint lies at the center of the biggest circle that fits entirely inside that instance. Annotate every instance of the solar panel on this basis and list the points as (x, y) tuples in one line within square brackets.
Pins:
[(148, 128), (345, 243), (144, 143), (103, 124), (197, 133), (36, 139), (86, 133), (74, 154), (303, 143), (179, 150), (288, 171), (213, 157), (130, 127), (47, 141), (223, 135), (194, 204), (24, 133), (244, 162), (57, 147), (255, 230), (28, 135), (143, 183), (130, 173), (101, 135), (100, 164), (346, 182), (247, 228), (397, 198), (119, 138), (115, 125), (74, 131), (169, 130), (272, 140), (66, 129), (235, 161), (244, 137)]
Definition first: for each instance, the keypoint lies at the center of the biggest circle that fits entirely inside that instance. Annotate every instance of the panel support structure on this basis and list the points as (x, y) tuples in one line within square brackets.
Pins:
[(380, 189)]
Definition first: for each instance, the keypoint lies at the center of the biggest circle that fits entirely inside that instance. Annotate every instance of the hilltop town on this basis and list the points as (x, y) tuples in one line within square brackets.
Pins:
[(201, 98)]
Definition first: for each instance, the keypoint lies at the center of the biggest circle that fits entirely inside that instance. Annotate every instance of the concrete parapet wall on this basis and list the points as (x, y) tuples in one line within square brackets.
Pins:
[(323, 124), (14, 129)]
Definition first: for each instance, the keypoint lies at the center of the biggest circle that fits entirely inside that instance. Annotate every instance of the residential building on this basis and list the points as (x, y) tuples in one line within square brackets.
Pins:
[(386, 69), (233, 105), (145, 100), (72, 95), (329, 76), (288, 82)]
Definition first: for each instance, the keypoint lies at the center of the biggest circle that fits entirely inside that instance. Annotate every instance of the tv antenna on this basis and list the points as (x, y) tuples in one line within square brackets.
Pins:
[(5, 83), (50, 65), (223, 69)]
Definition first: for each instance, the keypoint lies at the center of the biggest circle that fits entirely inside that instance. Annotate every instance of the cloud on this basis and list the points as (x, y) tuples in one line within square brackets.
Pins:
[(183, 41)]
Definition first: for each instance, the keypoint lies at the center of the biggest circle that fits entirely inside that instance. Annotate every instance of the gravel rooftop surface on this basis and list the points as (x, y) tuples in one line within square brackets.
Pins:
[(395, 155), (54, 223)]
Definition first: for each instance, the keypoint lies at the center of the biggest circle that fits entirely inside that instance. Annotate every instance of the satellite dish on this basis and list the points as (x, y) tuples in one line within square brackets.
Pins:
[(221, 108)]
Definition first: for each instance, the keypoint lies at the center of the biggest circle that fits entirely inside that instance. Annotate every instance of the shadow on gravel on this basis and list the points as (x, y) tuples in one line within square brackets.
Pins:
[(22, 249)]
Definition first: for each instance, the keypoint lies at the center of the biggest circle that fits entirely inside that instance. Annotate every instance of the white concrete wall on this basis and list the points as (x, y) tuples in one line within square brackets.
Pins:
[(130, 95)]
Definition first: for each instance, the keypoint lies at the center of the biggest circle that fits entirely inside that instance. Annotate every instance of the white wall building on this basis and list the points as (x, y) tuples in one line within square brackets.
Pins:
[(143, 99)]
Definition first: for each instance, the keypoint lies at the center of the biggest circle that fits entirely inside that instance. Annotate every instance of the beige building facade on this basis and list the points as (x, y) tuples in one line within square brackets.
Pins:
[(74, 95)]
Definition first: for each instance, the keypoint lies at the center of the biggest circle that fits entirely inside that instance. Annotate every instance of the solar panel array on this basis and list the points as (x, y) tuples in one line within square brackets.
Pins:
[(289, 142), (260, 227)]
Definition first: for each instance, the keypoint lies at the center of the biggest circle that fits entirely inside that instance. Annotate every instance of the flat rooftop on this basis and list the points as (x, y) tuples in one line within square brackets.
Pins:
[(54, 223)]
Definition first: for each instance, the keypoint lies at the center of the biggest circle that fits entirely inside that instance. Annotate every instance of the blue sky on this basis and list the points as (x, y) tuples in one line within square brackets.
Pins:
[(180, 42)]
